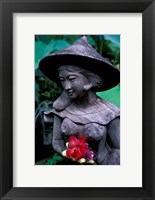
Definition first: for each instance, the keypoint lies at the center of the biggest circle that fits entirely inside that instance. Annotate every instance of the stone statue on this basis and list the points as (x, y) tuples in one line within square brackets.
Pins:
[(78, 111)]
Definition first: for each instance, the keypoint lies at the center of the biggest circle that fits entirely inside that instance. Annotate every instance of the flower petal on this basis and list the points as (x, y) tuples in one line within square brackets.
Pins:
[(77, 153), (73, 142), (82, 140), (69, 152)]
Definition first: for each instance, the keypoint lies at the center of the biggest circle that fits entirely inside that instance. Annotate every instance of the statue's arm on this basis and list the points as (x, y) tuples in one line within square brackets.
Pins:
[(114, 136), (58, 142)]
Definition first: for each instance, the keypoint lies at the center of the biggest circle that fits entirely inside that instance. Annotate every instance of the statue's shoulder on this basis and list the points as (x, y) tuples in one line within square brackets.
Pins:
[(101, 112), (109, 105)]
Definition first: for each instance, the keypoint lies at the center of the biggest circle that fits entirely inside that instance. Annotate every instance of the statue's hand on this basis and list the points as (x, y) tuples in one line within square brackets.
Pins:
[(81, 160), (64, 153)]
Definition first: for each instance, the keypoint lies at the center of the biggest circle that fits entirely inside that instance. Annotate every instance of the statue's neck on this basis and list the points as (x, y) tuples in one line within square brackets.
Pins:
[(86, 100)]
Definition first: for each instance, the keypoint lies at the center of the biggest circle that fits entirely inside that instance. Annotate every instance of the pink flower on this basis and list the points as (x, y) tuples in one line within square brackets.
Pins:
[(78, 148)]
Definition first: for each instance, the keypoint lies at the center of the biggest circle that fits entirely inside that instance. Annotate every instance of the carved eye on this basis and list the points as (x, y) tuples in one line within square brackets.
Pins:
[(72, 79), (62, 79)]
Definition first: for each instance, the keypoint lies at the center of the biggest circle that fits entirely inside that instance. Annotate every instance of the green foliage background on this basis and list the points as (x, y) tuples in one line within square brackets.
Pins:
[(47, 91)]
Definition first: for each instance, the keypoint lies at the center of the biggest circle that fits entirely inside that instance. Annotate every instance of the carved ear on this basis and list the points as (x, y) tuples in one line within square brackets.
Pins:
[(62, 101), (87, 87)]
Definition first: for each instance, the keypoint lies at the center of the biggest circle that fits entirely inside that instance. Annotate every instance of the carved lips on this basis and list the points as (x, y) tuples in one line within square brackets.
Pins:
[(70, 92)]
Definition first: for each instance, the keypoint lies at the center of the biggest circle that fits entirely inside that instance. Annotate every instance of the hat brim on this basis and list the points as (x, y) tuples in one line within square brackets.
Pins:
[(49, 66)]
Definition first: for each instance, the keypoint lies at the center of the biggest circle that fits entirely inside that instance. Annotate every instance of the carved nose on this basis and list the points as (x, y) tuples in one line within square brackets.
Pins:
[(67, 86)]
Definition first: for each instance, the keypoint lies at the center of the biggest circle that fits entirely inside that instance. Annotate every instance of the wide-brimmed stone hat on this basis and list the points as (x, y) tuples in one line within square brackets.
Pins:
[(82, 54)]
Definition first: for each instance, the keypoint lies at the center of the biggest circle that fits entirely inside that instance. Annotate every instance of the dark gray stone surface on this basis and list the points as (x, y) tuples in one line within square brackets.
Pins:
[(78, 110)]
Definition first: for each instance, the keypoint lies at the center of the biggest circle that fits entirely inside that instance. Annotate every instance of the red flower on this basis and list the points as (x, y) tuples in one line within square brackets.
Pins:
[(78, 148)]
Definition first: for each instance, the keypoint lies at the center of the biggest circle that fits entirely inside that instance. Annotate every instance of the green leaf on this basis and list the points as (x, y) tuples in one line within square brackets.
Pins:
[(49, 161), (39, 53), (60, 44), (115, 39), (56, 158), (46, 94), (91, 40), (112, 95), (36, 87), (42, 49)]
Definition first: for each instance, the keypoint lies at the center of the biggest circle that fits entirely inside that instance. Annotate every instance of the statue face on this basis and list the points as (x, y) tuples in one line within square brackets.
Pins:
[(73, 81)]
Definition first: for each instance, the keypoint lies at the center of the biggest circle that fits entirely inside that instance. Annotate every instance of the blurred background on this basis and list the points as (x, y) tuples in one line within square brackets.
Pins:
[(46, 91)]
